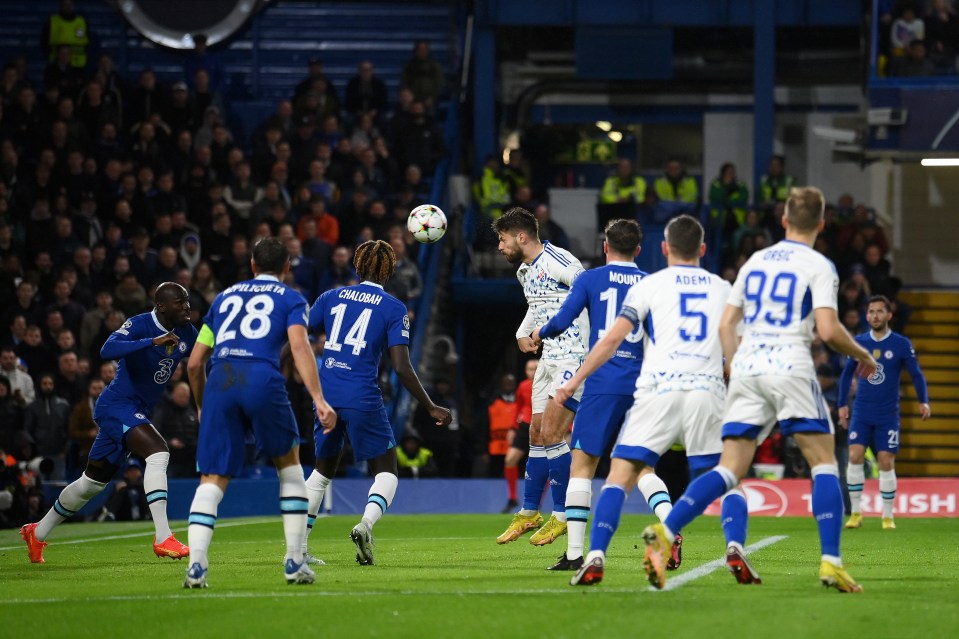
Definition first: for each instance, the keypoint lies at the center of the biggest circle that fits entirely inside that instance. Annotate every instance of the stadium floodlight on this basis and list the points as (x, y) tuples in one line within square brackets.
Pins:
[(940, 161), (615, 136), (604, 126)]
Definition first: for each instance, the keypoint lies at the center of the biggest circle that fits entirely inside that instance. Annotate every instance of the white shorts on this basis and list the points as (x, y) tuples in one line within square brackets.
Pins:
[(692, 418), (550, 375), (755, 404)]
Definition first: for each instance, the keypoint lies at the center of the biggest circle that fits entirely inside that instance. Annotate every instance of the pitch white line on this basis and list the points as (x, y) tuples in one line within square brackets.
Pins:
[(134, 535), (713, 566)]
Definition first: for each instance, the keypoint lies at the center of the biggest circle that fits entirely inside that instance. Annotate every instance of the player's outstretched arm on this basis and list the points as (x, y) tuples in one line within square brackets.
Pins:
[(196, 365), (598, 355), (838, 338), (121, 343), (305, 362), (571, 308), (728, 324), (400, 358)]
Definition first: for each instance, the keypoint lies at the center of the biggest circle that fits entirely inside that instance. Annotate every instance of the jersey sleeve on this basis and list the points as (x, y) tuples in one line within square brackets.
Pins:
[(316, 319), (824, 286), (125, 340), (912, 365), (398, 328), (635, 306), (567, 274), (527, 325), (736, 292), (845, 382), (572, 306), (298, 314)]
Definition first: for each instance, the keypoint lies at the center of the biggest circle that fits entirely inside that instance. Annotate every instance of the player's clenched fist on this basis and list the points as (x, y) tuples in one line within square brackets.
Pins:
[(326, 415), (527, 345), (564, 392)]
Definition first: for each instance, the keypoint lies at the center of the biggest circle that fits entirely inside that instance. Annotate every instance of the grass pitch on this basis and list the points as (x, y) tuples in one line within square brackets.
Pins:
[(444, 576)]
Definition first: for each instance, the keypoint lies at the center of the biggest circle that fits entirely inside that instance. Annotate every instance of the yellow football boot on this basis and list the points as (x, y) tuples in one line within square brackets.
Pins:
[(519, 526), (854, 521), (658, 553), (834, 577), (888, 523), (553, 530)]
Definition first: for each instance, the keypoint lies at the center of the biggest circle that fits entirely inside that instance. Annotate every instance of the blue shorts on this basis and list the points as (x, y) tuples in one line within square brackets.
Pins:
[(240, 398), (369, 431), (880, 435), (598, 421), (115, 420)]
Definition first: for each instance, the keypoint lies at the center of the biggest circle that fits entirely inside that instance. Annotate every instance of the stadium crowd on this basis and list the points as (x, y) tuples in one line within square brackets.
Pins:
[(110, 185)]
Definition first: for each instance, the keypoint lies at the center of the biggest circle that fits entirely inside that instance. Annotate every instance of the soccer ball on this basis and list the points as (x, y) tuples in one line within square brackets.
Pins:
[(427, 223)]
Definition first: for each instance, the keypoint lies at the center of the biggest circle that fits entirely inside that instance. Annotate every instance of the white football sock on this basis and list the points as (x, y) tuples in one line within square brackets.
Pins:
[(316, 486), (201, 522), (855, 479), (155, 487), (656, 494), (71, 499), (887, 488), (579, 494), (380, 497), (293, 508)]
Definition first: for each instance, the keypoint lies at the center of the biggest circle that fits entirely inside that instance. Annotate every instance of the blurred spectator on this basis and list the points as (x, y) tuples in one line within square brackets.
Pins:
[(365, 93), (413, 459), (176, 419), (516, 171), (314, 72), (406, 285), (876, 269), (728, 199), (128, 501), (303, 270), (942, 34), (675, 186), (341, 271), (852, 321), (775, 184), (549, 229), (625, 187), (129, 295), (443, 441), (423, 75), (11, 417), (46, 421), (907, 28), (419, 142), (93, 321), (326, 226), (70, 382), (69, 29), (35, 353), (751, 227), (501, 414), (202, 58), (914, 63), (21, 384), (492, 190), (80, 427)]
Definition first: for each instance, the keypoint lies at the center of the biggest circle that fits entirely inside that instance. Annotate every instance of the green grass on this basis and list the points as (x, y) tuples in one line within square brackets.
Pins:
[(444, 576)]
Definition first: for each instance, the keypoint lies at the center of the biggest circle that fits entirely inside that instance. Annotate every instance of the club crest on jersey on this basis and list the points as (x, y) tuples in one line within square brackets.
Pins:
[(330, 362), (887, 354)]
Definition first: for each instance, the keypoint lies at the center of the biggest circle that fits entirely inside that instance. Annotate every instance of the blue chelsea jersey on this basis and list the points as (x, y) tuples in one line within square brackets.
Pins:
[(602, 290), (143, 369), (250, 319), (877, 398), (360, 322)]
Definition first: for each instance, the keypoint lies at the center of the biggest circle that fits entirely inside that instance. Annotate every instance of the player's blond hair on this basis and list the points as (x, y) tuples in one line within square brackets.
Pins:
[(804, 208), (375, 261)]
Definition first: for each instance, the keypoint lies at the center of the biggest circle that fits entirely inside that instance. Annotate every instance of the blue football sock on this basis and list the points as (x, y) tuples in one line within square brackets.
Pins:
[(704, 490), (827, 506), (559, 458), (606, 517), (735, 517), (537, 474)]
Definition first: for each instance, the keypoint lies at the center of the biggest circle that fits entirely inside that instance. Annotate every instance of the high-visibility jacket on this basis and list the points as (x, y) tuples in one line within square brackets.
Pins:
[(775, 190), (726, 200), (616, 190), (421, 459), (683, 191), (492, 193), (72, 32), (502, 419)]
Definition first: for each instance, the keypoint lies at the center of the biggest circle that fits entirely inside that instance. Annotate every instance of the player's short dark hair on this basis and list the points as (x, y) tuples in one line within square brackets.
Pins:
[(684, 236), (270, 255), (880, 299), (624, 236), (375, 261), (167, 292), (517, 220), (805, 207)]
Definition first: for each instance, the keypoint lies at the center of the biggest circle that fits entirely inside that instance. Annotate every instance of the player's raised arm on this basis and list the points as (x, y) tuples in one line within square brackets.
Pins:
[(122, 342), (400, 358), (572, 307), (838, 338), (604, 349), (196, 365), (305, 362)]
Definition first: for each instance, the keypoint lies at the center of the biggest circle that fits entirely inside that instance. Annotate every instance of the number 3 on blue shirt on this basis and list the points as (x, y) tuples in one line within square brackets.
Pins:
[(753, 289), (685, 311)]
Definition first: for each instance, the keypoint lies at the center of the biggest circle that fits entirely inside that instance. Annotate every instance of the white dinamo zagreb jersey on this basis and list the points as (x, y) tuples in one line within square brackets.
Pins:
[(546, 283), (778, 288), (679, 307)]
